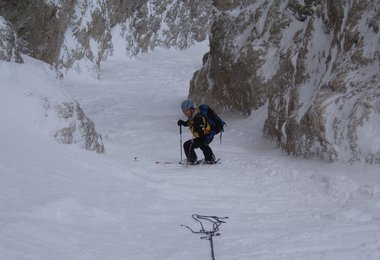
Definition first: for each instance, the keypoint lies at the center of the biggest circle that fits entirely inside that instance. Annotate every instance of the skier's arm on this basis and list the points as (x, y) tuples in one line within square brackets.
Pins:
[(183, 123)]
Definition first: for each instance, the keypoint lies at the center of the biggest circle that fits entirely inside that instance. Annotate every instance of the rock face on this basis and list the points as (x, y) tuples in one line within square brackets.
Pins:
[(68, 123), (80, 34), (33, 101), (315, 64), (170, 23), (32, 28), (38, 27), (77, 34), (9, 49)]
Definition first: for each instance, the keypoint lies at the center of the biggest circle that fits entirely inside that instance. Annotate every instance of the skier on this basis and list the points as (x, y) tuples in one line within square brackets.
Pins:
[(202, 132)]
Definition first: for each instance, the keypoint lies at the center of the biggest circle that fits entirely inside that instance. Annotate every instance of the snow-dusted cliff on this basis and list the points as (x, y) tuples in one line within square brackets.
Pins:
[(315, 64), (31, 96), (32, 102), (8, 43), (80, 34)]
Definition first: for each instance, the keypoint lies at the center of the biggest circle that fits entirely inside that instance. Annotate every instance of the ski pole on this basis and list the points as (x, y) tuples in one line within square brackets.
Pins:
[(180, 140)]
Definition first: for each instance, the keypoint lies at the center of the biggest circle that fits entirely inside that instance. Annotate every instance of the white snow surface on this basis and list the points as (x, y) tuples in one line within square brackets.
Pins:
[(60, 202)]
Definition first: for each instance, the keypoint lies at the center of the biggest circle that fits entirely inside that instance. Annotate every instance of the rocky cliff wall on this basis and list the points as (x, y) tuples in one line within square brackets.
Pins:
[(80, 34), (314, 63), (170, 23)]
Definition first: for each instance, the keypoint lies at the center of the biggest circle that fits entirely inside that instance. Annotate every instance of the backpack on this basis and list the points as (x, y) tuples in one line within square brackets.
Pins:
[(212, 118)]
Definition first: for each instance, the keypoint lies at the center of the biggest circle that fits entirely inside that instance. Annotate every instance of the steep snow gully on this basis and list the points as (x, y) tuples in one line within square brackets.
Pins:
[(59, 202)]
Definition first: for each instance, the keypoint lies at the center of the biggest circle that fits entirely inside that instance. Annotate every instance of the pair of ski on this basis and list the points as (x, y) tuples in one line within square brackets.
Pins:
[(199, 162)]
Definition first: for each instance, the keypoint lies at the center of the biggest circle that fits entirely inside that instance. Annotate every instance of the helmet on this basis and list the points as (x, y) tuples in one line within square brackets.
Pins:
[(187, 104)]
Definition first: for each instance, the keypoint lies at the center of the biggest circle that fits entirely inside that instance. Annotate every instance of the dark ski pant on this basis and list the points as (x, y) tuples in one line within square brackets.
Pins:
[(195, 143)]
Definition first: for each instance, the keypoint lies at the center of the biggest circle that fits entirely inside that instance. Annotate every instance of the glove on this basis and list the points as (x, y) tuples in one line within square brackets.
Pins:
[(181, 122)]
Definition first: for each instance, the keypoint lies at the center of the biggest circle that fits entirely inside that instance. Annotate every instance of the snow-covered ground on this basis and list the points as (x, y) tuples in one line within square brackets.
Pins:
[(60, 202)]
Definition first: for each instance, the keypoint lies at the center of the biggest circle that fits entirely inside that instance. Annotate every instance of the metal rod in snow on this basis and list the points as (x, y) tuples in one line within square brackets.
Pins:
[(212, 249), (215, 221)]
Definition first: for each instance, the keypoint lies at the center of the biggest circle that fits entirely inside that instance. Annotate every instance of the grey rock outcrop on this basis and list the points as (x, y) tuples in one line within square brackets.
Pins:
[(9, 50), (79, 128), (316, 64), (38, 27), (56, 112), (170, 23)]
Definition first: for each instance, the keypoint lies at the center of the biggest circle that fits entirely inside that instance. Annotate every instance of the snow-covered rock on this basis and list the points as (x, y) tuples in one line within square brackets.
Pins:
[(316, 64), (37, 25), (8, 43), (169, 23), (32, 101)]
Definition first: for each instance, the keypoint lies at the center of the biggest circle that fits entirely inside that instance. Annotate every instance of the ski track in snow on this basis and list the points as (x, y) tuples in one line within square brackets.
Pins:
[(121, 205)]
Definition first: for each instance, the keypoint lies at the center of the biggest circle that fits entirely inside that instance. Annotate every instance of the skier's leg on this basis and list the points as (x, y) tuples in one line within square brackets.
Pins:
[(188, 146), (206, 149)]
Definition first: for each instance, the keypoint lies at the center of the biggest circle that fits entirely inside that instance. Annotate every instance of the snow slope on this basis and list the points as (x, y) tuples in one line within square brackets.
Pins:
[(61, 202)]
